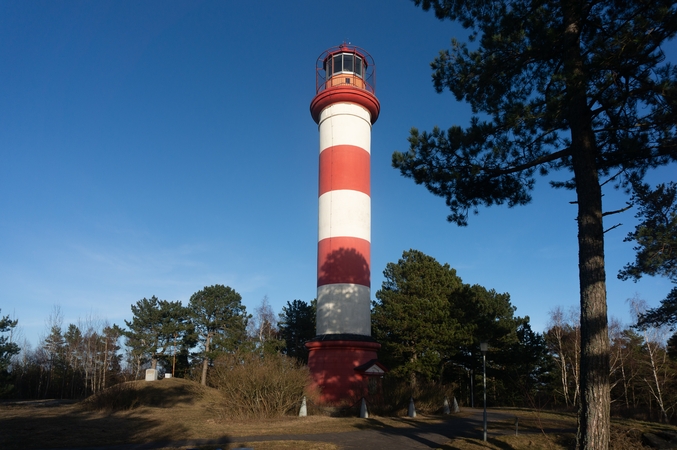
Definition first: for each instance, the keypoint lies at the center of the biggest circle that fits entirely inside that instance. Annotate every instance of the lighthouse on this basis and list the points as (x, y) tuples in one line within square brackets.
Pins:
[(343, 355)]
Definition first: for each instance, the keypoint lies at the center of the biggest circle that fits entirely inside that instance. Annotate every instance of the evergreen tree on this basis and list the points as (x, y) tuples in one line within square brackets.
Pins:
[(578, 85), (220, 321), (486, 315), (656, 239), (430, 326), (56, 365), (7, 350), (73, 345), (153, 328), (412, 318), (297, 326), (109, 355), (525, 367)]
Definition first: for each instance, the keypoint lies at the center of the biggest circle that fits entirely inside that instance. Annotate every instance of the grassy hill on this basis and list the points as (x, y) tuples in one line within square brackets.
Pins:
[(177, 393)]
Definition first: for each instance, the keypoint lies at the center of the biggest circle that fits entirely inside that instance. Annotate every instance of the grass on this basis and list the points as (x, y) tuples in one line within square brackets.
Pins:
[(138, 412), (192, 416), (264, 445), (551, 431)]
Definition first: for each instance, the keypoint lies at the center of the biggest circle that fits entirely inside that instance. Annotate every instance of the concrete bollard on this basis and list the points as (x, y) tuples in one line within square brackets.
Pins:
[(364, 414), (446, 406), (412, 408), (303, 412), (456, 408)]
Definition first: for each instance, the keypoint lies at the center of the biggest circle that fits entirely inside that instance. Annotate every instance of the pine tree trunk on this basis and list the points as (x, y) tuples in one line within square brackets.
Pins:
[(595, 396), (412, 375), (594, 417)]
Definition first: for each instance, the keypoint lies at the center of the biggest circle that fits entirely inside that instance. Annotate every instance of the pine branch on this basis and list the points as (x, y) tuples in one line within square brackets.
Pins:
[(536, 162), (609, 213)]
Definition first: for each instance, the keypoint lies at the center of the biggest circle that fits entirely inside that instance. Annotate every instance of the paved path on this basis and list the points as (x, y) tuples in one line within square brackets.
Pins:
[(418, 435)]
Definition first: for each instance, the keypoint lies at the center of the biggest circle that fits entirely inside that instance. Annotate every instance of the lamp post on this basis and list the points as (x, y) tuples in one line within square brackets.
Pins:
[(484, 346)]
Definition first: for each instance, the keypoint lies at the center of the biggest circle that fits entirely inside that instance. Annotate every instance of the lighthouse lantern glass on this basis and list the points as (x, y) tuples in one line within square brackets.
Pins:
[(344, 62), (358, 65), (348, 63)]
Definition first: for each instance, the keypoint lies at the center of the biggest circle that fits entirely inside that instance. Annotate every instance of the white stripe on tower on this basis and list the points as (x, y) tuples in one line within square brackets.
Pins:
[(344, 231)]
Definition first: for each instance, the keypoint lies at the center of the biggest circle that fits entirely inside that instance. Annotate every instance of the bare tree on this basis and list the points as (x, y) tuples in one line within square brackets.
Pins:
[(654, 344), (263, 328), (563, 338), (555, 339)]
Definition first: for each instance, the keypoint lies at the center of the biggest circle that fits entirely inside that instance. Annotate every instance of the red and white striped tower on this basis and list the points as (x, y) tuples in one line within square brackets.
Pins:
[(343, 354)]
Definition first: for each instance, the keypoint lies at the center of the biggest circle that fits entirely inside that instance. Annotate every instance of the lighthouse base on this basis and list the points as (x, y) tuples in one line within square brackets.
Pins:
[(341, 366)]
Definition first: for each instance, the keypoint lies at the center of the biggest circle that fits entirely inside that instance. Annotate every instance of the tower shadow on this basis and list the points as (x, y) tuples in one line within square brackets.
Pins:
[(344, 265)]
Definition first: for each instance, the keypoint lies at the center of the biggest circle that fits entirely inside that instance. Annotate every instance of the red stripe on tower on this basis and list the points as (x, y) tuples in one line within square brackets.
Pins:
[(344, 167), (343, 260)]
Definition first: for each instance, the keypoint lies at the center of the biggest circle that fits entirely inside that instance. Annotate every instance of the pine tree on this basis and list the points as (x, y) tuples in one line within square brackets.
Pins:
[(412, 318), (220, 321), (297, 326), (7, 350), (656, 247), (151, 332), (575, 85)]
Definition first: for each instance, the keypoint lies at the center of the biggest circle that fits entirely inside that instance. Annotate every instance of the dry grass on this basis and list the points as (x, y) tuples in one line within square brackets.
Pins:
[(167, 410), (181, 411), (263, 445), (539, 442), (165, 393), (536, 430), (551, 431)]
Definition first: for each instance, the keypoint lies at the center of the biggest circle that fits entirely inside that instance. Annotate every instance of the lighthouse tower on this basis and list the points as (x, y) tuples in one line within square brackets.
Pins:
[(343, 356)]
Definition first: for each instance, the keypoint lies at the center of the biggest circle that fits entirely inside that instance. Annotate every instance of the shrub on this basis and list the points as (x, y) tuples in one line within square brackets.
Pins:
[(259, 386)]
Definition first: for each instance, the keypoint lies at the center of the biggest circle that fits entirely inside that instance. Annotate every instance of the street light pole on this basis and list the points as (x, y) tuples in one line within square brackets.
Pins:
[(484, 346)]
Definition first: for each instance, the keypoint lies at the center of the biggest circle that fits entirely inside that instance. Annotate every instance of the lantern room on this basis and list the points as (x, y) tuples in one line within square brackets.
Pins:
[(345, 66), (345, 74)]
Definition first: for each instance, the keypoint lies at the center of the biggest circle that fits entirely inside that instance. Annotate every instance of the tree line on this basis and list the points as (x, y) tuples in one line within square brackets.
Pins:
[(431, 325), (82, 359), (73, 363), (429, 322)]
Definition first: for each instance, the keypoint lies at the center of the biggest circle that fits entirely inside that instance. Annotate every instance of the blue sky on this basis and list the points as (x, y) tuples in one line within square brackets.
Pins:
[(154, 148)]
